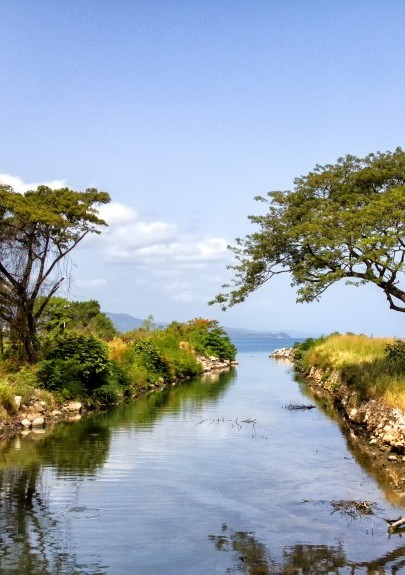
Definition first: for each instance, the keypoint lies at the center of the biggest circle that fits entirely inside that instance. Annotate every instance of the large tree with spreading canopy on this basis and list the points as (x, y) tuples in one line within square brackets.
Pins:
[(38, 230), (344, 221)]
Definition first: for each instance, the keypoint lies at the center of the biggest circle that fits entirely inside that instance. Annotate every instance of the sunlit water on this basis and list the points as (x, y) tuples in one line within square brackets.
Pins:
[(212, 477)]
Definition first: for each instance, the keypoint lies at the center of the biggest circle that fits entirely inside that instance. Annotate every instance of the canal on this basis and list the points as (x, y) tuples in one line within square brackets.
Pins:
[(220, 475)]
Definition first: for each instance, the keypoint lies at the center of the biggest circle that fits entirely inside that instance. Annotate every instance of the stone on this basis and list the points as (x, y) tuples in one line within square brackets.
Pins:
[(17, 401), (56, 413), (74, 406), (26, 423), (38, 422), (392, 458)]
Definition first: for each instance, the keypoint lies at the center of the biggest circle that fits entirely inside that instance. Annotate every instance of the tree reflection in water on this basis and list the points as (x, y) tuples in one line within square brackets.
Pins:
[(252, 557), (33, 540)]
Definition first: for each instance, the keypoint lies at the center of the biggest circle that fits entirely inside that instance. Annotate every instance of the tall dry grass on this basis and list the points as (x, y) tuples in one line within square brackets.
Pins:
[(363, 363)]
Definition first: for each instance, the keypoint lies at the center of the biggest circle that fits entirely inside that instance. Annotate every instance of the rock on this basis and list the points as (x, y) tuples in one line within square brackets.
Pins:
[(283, 353), (33, 415), (38, 422), (56, 413), (392, 458), (74, 406), (17, 401), (39, 406), (26, 423)]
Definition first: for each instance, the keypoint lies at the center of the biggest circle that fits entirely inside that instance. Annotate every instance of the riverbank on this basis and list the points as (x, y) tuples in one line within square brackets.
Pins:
[(44, 411), (374, 427)]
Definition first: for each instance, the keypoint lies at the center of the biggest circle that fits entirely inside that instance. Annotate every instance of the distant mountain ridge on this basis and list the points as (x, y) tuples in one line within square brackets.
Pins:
[(125, 322)]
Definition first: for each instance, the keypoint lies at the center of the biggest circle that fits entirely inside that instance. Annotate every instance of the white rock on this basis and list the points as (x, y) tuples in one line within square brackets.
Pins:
[(17, 401), (74, 406), (26, 423), (38, 422)]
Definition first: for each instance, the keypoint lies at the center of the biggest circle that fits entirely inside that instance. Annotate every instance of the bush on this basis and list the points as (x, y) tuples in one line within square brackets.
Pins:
[(396, 352), (76, 366), (147, 355)]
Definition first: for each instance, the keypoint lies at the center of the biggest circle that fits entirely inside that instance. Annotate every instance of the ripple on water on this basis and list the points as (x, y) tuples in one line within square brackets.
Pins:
[(83, 512)]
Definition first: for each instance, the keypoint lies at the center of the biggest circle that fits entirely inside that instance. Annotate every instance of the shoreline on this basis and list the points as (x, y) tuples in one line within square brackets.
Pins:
[(372, 428), (35, 417)]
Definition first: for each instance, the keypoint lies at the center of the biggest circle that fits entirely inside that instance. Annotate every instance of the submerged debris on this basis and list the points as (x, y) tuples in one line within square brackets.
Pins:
[(297, 406), (348, 507), (396, 525), (353, 508)]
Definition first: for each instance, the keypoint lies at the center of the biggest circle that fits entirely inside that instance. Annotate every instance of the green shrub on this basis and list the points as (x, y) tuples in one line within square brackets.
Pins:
[(217, 345), (396, 352), (147, 355), (107, 394), (76, 365)]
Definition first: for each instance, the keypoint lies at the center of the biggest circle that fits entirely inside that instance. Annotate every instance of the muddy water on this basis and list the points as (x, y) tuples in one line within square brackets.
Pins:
[(213, 477)]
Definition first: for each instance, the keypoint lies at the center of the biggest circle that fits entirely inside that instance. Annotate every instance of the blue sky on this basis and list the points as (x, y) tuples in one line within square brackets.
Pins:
[(184, 110)]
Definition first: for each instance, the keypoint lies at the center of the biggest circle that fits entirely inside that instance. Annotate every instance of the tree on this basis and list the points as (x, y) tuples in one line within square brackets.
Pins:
[(38, 229), (341, 221), (61, 314)]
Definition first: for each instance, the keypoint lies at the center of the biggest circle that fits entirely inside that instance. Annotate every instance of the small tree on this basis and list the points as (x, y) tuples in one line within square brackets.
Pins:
[(38, 230), (341, 221)]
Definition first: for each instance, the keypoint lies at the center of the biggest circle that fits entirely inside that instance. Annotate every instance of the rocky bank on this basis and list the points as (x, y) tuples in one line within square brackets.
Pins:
[(37, 414), (374, 431)]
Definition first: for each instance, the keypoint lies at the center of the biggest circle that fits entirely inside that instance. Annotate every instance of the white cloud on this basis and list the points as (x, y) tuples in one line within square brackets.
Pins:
[(115, 213), (129, 239), (19, 186), (156, 256)]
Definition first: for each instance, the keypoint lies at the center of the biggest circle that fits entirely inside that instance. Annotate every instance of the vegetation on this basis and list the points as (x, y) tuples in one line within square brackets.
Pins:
[(341, 221), (38, 230), (373, 367), (81, 356)]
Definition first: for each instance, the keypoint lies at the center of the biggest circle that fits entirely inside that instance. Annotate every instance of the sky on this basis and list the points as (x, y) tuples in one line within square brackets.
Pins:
[(184, 111)]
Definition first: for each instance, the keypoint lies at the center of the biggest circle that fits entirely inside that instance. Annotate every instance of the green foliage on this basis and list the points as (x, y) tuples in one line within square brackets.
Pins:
[(301, 349), (76, 365), (37, 230), (62, 315), (147, 355), (341, 221), (208, 338), (396, 352), (219, 346)]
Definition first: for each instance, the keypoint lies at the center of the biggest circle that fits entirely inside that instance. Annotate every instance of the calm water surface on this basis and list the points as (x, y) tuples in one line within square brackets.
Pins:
[(213, 477)]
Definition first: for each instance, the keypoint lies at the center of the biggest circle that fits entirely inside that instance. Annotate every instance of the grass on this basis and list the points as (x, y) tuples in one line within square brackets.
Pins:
[(363, 363)]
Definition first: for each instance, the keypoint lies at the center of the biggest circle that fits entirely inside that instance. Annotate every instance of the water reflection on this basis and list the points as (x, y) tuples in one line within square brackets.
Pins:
[(32, 539), (36, 540), (391, 479), (249, 555)]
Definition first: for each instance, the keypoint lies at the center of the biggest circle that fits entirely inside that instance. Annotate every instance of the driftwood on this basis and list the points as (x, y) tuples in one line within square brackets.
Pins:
[(395, 524)]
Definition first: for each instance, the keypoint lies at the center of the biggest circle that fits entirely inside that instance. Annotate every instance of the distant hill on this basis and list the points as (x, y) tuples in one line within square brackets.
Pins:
[(125, 322), (241, 333)]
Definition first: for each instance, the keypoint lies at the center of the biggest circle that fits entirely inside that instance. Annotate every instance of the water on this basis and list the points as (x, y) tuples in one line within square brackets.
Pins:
[(213, 477)]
